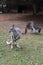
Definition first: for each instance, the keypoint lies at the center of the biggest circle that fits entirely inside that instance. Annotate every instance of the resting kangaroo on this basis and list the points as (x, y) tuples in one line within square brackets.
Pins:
[(34, 27)]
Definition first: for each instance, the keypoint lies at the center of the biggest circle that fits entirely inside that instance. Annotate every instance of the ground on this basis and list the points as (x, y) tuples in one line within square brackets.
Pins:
[(32, 45)]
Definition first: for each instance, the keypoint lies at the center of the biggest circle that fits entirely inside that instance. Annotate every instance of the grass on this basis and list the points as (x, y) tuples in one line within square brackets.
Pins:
[(31, 54)]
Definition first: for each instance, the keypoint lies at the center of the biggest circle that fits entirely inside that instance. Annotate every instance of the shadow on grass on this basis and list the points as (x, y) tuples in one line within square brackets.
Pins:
[(36, 33)]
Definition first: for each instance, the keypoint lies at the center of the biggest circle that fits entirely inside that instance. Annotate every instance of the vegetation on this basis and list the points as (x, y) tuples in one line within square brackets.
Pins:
[(30, 54)]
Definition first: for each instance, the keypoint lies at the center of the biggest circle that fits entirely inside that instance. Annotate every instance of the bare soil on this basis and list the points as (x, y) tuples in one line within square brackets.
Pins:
[(20, 20)]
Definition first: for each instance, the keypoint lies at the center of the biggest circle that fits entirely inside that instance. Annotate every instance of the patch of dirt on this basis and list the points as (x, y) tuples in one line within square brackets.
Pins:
[(20, 20)]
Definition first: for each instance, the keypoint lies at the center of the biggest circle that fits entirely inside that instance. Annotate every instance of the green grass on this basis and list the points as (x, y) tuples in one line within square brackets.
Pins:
[(31, 54)]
